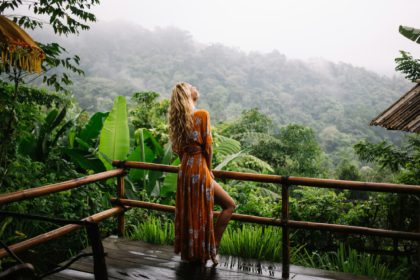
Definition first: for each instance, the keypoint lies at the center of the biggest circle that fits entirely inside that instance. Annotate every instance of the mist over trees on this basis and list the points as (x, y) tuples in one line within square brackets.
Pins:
[(336, 100)]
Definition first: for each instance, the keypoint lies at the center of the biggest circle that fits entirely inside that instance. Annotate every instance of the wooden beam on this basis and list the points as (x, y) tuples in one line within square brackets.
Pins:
[(304, 181), (58, 187), (291, 223), (31, 242)]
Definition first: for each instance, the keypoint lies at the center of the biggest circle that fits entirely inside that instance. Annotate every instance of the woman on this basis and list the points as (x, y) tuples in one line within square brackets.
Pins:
[(190, 133)]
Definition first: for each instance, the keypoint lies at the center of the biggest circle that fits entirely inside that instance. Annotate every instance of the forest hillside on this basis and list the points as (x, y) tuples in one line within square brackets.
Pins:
[(337, 100)]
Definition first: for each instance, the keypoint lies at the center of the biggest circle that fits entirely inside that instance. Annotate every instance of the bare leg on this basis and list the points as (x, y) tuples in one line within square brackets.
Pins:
[(222, 198)]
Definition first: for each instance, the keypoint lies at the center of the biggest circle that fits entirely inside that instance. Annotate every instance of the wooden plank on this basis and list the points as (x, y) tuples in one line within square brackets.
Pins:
[(71, 274), (127, 270), (115, 246), (128, 259), (149, 250)]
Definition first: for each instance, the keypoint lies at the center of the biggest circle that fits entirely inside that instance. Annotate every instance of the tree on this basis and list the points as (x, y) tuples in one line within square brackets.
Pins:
[(404, 161), (65, 17), (303, 153), (150, 113), (251, 120)]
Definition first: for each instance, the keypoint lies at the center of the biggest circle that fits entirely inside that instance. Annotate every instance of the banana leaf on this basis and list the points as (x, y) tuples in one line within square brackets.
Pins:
[(114, 141), (91, 130), (169, 183), (84, 160), (411, 33), (140, 174)]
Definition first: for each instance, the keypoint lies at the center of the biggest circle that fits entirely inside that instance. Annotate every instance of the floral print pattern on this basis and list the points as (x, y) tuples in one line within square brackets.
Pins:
[(194, 229)]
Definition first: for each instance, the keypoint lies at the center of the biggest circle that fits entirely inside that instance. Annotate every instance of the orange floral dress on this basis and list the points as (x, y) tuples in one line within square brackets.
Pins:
[(194, 232)]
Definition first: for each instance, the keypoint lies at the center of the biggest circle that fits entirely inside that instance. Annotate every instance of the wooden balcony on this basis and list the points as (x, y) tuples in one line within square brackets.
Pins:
[(128, 259), (138, 260)]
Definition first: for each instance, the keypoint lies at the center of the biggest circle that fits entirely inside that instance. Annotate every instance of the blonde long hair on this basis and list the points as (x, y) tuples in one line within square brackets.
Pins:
[(181, 115)]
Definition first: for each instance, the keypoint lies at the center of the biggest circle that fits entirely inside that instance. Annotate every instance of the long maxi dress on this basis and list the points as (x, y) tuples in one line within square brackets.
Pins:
[(194, 232)]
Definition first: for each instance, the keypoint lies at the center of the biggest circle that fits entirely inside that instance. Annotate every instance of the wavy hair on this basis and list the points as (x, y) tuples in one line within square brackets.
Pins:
[(181, 115)]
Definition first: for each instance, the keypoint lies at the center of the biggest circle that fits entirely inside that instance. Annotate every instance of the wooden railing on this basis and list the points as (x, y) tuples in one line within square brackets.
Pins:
[(122, 204)]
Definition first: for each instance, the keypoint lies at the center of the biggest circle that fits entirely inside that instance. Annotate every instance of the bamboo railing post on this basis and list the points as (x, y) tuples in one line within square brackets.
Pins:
[(285, 231), (121, 194)]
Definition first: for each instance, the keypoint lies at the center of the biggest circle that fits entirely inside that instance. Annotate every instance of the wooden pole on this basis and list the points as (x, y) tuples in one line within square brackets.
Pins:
[(70, 184), (26, 244), (285, 233), (121, 194), (311, 182)]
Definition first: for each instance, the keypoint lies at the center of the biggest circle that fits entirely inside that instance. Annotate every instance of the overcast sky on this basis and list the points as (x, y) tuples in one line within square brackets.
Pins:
[(361, 32)]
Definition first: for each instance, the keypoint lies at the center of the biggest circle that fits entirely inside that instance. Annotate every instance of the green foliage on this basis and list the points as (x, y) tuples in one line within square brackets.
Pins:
[(315, 204), (21, 116), (66, 17), (225, 146), (347, 170), (90, 132), (253, 198), (153, 230), (292, 150), (318, 94), (114, 141), (148, 112), (170, 182), (303, 153), (38, 144), (82, 144), (250, 120), (150, 150), (408, 65), (404, 160), (54, 59), (249, 241), (411, 33), (349, 260)]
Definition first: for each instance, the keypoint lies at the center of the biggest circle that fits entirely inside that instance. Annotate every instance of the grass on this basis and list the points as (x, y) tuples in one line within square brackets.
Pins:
[(250, 241), (349, 260), (153, 230)]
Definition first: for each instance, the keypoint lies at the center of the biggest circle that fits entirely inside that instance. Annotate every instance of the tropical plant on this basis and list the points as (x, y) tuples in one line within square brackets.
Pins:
[(150, 150), (411, 33), (349, 260), (408, 65), (153, 230), (114, 143), (151, 113), (45, 136), (83, 144), (65, 17)]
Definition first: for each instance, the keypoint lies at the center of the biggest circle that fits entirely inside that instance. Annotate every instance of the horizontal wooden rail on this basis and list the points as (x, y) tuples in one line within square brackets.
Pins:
[(290, 223), (291, 180), (355, 230), (171, 209), (66, 185), (31, 242)]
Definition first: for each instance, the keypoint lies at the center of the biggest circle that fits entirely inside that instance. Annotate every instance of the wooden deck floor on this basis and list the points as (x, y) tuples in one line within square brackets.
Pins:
[(127, 259)]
